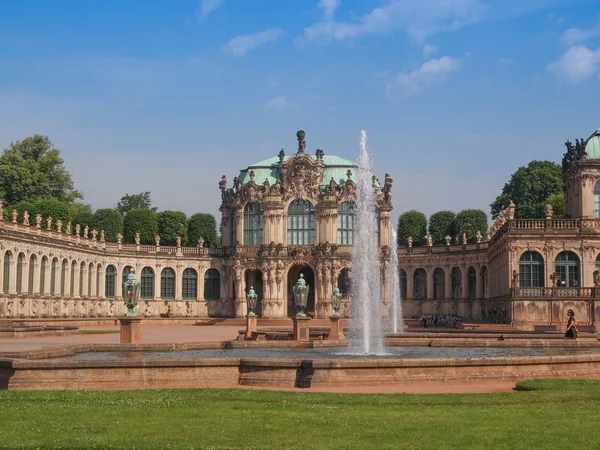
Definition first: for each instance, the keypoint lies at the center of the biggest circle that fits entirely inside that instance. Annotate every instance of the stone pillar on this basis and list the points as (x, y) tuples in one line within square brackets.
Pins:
[(448, 284), (12, 280), (130, 330), (178, 283), (76, 274), (157, 275), (94, 281), (251, 326), (238, 216), (25, 276), (336, 329), (85, 284), (410, 283), (102, 290), (301, 328), (385, 232), (47, 277), (36, 278), (430, 283)]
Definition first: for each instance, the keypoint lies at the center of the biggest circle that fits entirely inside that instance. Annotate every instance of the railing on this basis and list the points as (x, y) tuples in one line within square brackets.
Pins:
[(443, 248), (553, 292), (524, 225)]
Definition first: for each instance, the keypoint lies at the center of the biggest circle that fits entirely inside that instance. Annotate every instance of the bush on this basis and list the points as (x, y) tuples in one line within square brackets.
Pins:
[(143, 221), (110, 220), (412, 223), (470, 221), (205, 225), (442, 224), (50, 208), (84, 219)]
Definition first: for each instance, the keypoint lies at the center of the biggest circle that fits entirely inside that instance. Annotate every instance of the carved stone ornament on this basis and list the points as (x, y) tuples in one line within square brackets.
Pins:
[(86, 230), (59, 226), (26, 218), (137, 238)]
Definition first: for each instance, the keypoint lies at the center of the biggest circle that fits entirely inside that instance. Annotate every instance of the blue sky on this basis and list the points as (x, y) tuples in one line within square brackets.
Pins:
[(168, 96)]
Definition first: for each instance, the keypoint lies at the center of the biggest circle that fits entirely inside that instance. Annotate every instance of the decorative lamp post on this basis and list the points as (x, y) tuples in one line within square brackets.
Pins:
[(251, 298), (301, 296), (131, 288), (336, 301)]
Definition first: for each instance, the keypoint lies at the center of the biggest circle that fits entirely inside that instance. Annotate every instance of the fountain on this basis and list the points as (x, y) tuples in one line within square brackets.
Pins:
[(397, 323), (366, 335)]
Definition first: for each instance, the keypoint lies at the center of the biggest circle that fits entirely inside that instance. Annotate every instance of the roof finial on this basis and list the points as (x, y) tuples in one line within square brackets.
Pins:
[(301, 142)]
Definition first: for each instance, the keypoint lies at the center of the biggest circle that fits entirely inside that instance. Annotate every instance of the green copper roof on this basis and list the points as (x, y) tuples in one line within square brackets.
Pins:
[(335, 167), (592, 148)]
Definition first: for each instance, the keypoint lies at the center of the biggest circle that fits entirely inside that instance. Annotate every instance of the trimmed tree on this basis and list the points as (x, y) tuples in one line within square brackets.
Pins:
[(21, 207), (83, 219), (205, 225), (50, 208), (471, 221), (33, 169), (442, 224), (530, 188), (110, 220), (170, 225), (133, 201), (412, 223), (143, 221)]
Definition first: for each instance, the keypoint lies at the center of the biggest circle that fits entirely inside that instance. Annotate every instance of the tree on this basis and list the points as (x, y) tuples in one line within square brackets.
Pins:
[(412, 223), (83, 219), (110, 220), (21, 207), (133, 201), (530, 188), (470, 221), (32, 169), (170, 225), (203, 225), (558, 205), (50, 208), (143, 221), (442, 224), (78, 208)]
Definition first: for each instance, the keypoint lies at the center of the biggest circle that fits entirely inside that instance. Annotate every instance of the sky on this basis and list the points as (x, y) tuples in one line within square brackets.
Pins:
[(167, 96)]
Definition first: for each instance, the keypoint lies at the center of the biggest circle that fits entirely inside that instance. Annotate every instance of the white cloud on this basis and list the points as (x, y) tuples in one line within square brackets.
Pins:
[(432, 73), (429, 50), (278, 104), (206, 7), (241, 45), (329, 7), (575, 35), (418, 18), (576, 65)]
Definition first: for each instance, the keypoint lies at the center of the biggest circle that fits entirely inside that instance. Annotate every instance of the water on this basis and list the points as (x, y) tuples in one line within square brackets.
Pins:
[(334, 353), (365, 335), (397, 322)]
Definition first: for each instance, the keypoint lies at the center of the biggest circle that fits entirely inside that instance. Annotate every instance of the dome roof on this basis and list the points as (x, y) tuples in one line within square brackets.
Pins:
[(592, 148)]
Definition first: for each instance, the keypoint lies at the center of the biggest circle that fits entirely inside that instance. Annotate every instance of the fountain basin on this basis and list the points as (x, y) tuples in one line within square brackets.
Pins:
[(274, 366)]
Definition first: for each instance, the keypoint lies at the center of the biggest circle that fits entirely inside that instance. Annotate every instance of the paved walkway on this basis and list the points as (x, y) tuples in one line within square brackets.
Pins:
[(150, 334)]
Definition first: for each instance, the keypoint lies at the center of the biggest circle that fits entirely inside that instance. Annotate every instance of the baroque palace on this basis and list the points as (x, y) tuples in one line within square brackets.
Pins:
[(294, 214)]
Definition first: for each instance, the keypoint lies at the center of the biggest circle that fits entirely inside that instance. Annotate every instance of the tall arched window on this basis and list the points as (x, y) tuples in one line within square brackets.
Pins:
[(484, 282), (98, 271), (567, 266), (471, 283), (63, 276), (455, 284), (439, 284), (109, 281), (253, 224), (420, 284), (403, 285), (344, 282), (53, 270), (73, 269), (531, 270), (20, 261), (189, 284), (43, 265), (90, 273), (82, 275), (301, 223), (147, 286), (6, 278), (32, 261), (167, 283), (597, 200), (212, 285), (345, 232)]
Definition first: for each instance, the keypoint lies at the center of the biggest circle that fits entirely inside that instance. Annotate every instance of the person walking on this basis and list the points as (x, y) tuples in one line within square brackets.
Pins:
[(572, 331)]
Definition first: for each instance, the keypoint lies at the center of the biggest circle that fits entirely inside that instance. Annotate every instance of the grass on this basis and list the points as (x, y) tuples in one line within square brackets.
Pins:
[(99, 331), (541, 414)]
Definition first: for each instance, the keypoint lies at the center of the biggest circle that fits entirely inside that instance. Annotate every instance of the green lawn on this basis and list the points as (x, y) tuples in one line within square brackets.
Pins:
[(553, 414)]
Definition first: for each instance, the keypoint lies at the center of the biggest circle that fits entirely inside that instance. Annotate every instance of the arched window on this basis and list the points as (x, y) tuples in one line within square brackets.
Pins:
[(109, 281), (6, 279), (43, 265), (345, 232), (73, 269), (82, 275), (253, 224), (567, 267), (471, 283), (189, 284), (90, 273), (344, 280), (597, 200), (53, 270), (301, 223), (233, 229), (98, 270), (20, 261), (484, 282), (455, 284), (167, 283), (212, 285), (439, 284), (125, 273), (531, 270), (31, 275), (147, 286), (420, 284), (63, 276), (403, 284)]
